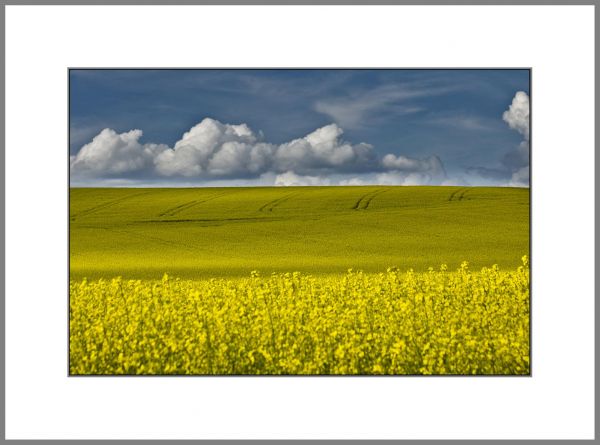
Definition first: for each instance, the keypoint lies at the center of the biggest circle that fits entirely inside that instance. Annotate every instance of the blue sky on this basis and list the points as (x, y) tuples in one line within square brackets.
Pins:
[(299, 127)]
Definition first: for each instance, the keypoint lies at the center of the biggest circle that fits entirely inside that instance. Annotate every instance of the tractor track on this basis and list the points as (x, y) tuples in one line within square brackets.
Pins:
[(188, 205), (455, 192), (269, 206), (105, 205), (368, 201), (207, 220), (367, 198), (181, 207)]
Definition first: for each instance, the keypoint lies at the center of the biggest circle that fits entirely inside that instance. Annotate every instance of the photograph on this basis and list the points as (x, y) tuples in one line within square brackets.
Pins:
[(299, 222)]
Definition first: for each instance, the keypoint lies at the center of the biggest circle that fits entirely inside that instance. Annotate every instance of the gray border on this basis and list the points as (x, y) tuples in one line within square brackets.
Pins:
[(271, 2)]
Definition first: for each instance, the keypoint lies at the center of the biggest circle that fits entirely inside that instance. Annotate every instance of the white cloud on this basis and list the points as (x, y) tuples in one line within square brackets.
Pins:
[(290, 178), (412, 171), (394, 177), (324, 150), (110, 153), (515, 163), (406, 178), (211, 148), (213, 151), (517, 115)]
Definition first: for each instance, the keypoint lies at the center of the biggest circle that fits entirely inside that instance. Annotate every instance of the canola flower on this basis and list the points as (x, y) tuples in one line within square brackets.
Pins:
[(435, 322)]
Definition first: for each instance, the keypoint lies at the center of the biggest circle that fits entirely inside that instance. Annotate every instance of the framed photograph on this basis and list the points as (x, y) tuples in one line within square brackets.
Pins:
[(300, 222)]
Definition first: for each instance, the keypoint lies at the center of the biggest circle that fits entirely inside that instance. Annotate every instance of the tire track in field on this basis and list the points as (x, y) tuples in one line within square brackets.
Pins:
[(188, 205), (357, 203), (462, 195), (269, 206), (455, 192), (170, 210), (368, 201), (367, 198), (105, 205), (210, 222)]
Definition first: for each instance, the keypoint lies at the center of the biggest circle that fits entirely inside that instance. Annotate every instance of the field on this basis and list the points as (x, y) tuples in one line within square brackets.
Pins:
[(229, 232), (309, 280)]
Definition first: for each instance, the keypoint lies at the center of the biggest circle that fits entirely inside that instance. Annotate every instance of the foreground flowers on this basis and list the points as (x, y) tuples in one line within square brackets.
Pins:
[(435, 322)]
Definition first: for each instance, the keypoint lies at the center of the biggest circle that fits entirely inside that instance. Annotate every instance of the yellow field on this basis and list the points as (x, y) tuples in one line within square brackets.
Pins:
[(202, 233), (435, 322)]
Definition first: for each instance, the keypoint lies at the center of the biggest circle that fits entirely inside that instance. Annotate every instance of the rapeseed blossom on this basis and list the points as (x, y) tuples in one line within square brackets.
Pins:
[(434, 322)]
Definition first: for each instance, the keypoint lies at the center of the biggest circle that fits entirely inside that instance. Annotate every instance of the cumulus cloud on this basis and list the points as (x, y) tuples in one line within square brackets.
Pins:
[(110, 153), (517, 115), (324, 150), (517, 161), (410, 171), (212, 151), (514, 167), (432, 164)]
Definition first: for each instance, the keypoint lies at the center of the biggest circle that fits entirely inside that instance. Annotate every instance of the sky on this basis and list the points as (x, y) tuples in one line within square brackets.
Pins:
[(169, 128)]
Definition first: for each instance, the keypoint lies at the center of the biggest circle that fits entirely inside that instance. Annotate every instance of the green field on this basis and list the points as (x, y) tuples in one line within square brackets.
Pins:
[(229, 232)]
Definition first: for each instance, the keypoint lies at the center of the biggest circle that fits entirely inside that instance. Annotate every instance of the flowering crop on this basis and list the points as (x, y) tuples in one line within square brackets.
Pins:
[(435, 322)]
